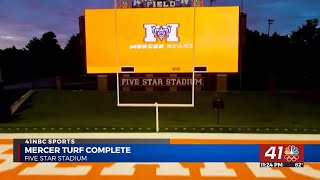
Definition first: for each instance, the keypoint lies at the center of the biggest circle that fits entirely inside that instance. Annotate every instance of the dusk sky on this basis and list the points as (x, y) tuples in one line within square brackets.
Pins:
[(20, 20)]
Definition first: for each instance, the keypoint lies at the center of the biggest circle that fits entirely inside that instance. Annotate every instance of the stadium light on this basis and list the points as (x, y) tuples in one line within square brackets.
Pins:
[(211, 2), (270, 21), (241, 7)]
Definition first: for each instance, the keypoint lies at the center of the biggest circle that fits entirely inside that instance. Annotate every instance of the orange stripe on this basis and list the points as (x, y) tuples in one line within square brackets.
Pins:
[(6, 141), (220, 141), (137, 178), (145, 172)]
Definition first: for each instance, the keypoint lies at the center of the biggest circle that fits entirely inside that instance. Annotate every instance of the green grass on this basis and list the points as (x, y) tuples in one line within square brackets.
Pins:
[(93, 111)]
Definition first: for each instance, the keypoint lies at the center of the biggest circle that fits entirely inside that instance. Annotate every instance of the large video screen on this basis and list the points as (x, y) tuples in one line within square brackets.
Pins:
[(162, 40)]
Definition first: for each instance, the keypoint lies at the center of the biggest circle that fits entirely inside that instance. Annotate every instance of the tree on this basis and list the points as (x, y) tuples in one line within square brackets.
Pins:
[(14, 65), (50, 42), (53, 53), (34, 45), (74, 55), (306, 42), (35, 54), (1, 64), (1, 58), (46, 55), (255, 69), (307, 34)]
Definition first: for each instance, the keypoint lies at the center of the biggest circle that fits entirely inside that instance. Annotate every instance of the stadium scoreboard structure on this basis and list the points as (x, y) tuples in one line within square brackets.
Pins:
[(162, 40), (190, 39)]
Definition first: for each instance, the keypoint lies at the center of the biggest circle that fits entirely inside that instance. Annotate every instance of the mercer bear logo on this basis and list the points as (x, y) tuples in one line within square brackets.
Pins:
[(154, 32)]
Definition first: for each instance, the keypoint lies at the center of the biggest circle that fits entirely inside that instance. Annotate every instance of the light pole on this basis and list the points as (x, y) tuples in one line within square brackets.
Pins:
[(211, 2), (270, 21), (241, 7), (272, 73), (240, 73)]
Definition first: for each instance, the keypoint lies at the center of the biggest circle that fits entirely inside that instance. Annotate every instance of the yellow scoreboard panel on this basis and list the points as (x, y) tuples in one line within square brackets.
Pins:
[(162, 40)]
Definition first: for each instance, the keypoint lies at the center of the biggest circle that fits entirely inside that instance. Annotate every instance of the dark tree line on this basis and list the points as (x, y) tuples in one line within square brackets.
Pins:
[(276, 62), (42, 58), (283, 62)]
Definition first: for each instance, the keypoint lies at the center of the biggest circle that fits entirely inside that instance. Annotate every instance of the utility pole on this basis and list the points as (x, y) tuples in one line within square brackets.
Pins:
[(270, 21)]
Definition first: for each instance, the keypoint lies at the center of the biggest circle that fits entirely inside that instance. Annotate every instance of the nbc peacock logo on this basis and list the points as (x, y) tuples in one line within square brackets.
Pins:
[(291, 153)]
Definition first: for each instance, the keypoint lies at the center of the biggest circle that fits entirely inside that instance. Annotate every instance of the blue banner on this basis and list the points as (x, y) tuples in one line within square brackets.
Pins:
[(149, 153), (312, 153)]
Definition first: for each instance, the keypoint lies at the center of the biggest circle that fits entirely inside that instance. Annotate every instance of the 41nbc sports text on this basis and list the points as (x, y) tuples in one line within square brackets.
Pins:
[(49, 141)]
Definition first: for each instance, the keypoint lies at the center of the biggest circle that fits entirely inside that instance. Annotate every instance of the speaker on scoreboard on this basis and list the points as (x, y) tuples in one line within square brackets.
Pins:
[(200, 69), (127, 69)]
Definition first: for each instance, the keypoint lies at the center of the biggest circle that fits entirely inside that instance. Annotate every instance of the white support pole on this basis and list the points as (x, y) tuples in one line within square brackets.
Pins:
[(157, 117), (193, 89), (156, 105), (118, 90)]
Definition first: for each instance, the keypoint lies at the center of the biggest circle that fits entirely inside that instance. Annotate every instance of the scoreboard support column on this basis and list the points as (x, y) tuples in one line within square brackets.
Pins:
[(198, 88), (222, 81), (126, 88), (103, 83), (173, 88), (58, 83), (149, 88)]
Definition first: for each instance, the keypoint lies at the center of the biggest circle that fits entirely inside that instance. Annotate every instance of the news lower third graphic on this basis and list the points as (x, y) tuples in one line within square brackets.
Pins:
[(282, 155), (160, 150)]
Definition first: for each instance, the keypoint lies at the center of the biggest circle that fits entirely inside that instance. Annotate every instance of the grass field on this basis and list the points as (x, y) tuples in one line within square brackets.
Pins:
[(92, 111)]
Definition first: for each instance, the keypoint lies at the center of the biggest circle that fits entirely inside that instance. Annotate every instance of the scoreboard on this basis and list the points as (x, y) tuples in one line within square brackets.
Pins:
[(162, 40)]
